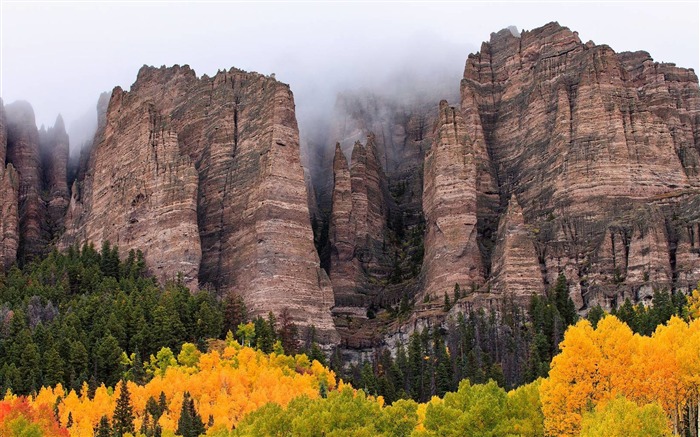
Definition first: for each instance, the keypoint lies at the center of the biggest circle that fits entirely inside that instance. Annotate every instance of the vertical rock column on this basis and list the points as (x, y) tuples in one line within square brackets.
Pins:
[(23, 153), (54, 157), (9, 201), (343, 271), (516, 270), (449, 203)]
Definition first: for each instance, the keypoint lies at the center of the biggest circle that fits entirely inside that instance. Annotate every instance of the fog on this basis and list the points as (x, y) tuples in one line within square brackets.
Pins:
[(60, 56)]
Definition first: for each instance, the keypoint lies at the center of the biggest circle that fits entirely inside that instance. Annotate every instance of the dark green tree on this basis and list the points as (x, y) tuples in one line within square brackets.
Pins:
[(563, 301), (53, 367), (190, 423), (123, 418), (103, 429), (595, 315)]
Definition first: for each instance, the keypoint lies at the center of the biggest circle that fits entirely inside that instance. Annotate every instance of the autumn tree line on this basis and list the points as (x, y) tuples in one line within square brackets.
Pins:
[(90, 345), (512, 347), (87, 316)]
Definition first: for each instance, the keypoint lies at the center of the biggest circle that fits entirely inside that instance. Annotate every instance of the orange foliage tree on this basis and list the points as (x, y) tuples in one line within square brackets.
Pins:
[(225, 385), (598, 365)]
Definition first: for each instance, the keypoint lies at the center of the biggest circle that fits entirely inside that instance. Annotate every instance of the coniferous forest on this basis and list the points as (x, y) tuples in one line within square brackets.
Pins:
[(90, 345)]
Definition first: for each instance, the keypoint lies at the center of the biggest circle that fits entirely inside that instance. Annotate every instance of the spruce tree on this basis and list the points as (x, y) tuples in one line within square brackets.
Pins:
[(123, 412), (190, 423), (103, 428)]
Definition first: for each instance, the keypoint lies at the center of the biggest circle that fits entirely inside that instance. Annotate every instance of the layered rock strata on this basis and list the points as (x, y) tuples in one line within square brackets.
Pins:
[(452, 255), (23, 154), (54, 150), (361, 260), (589, 140), (516, 269), (204, 176), (9, 202)]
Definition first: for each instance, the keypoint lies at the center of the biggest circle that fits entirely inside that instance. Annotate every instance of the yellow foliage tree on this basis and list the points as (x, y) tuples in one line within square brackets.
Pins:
[(225, 387)]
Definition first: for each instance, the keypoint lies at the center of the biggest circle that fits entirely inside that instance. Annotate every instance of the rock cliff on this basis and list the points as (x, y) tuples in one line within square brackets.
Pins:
[(23, 153), (516, 269), (589, 141), (54, 149), (203, 175), (9, 202), (361, 257), (452, 255)]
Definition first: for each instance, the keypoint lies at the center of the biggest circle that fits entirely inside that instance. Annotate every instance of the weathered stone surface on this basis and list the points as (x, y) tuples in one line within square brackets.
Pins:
[(361, 261), (588, 140), (9, 202), (54, 150), (450, 207), (23, 154), (215, 166), (3, 135), (516, 270), (343, 269), (400, 132), (143, 193), (9, 216)]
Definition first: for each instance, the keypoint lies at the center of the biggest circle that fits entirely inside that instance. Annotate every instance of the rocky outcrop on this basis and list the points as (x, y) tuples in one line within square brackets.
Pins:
[(143, 194), (23, 154), (361, 262), (9, 216), (9, 202), (203, 175), (3, 135), (450, 207), (589, 140), (343, 270), (54, 150), (516, 270)]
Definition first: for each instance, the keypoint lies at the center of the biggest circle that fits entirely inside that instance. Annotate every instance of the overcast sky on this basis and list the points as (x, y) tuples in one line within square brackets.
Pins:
[(60, 56)]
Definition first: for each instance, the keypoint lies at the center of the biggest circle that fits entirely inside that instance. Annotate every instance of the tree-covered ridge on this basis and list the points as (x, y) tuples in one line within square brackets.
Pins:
[(513, 346), (71, 317), (607, 381)]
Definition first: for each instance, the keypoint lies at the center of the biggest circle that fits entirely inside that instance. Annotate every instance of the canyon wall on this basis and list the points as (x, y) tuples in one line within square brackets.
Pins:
[(203, 175)]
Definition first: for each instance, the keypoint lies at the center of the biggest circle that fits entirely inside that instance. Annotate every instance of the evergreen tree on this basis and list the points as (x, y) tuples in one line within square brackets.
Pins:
[(235, 312), (123, 419), (137, 372), (162, 404), (190, 423), (595, 315), (53, 367), (563, 301), (288, 333), (103, 428)]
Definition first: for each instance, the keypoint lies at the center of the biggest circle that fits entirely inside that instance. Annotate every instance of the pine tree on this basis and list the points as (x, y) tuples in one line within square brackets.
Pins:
[(563, 302), (53, 367), (146, 424), (162, 404), (190, 423), (288, 333), (595, 314), (103, 428), (123, 412)]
